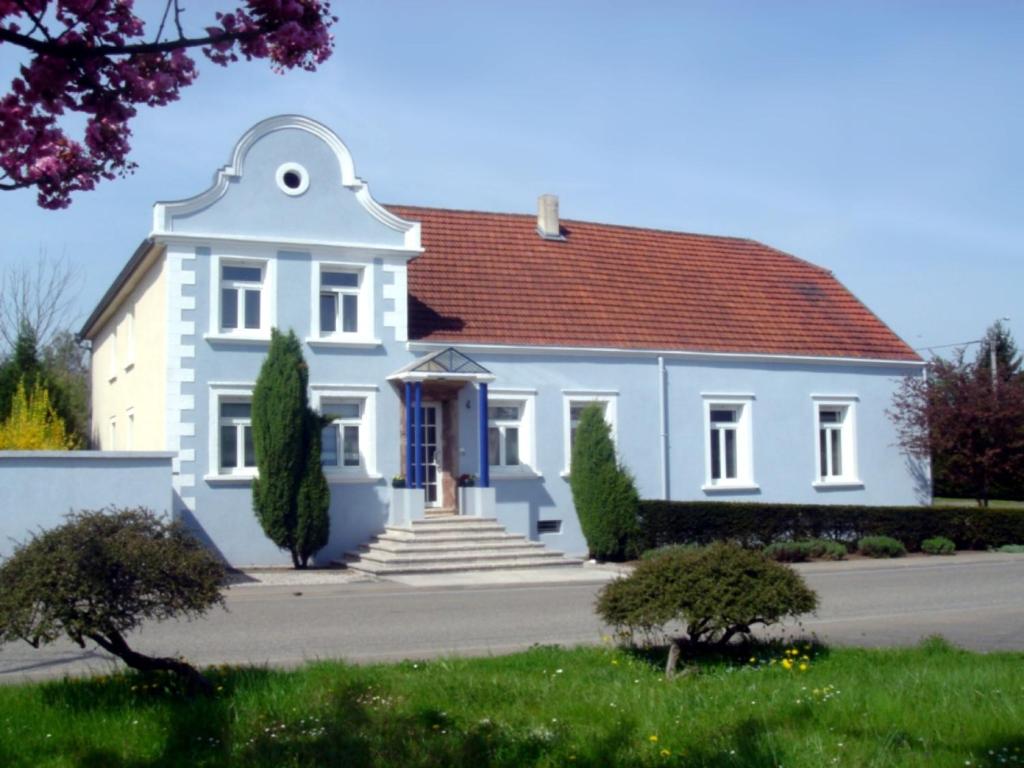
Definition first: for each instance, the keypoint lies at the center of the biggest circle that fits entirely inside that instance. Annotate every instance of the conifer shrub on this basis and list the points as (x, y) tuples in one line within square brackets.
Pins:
[(603, 490), (938, 545), (716, 593), (99, 576), (33, 424), (881, 546), (290, 496)]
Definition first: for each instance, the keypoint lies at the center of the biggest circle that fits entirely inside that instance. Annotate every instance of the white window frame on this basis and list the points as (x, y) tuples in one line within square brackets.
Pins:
[(365, 333), (225, 392), (526, 400), (850, 476), (570, 397), (744, 480), (321, 397), (268, 297)]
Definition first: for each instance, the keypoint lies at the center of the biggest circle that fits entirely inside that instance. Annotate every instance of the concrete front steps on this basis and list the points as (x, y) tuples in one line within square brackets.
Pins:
[(452, 544)]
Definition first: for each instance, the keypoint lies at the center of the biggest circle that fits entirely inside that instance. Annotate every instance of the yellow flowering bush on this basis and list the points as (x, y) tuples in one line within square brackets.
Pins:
[(33, 424)]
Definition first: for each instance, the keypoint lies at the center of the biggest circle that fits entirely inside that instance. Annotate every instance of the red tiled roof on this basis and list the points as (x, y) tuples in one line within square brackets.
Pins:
[(490, 278)]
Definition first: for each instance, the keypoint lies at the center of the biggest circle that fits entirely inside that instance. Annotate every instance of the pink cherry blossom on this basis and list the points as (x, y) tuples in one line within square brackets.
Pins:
[(95, 57)]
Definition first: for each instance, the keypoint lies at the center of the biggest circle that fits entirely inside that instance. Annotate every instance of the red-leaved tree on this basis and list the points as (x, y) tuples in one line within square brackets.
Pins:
[(971, 428), (95, 57)]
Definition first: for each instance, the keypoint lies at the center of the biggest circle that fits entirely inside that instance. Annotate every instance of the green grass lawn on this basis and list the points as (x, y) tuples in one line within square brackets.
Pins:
[(929, 706), (941, 501)]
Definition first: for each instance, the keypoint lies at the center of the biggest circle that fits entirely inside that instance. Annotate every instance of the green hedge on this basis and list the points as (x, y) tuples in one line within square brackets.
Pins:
[(701, 522)]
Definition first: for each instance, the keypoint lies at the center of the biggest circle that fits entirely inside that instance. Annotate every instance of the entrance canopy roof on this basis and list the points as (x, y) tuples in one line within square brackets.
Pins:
[(445, 365)]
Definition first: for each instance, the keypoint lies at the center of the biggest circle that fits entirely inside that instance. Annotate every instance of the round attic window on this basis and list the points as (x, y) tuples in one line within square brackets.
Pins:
[(292, 179)]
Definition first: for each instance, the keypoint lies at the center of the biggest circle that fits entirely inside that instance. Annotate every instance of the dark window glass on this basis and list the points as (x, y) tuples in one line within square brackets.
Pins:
[(228, 447), (228, 308), (236, 410), (292, 179), (730, 453), (837, 452), (494, 446), (506, 412), (329, 446), (340, 279), (328, 312), (511, 446), (252, 309), (250, 449), (723, 415), (716, 467), (349, 312), (342, 410), (243, 274), (822, 450), (830, 417), (351, 446)]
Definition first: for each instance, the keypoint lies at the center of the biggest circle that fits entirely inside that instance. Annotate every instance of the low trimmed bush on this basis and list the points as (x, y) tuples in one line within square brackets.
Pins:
[(801, 551), (881, 546), (756, 525), (1011, 549), (716, 592), (938, 545), (668, 550)]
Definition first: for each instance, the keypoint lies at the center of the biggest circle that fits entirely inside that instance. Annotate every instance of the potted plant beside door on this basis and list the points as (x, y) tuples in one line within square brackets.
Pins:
[(473, 500), (406, 503)]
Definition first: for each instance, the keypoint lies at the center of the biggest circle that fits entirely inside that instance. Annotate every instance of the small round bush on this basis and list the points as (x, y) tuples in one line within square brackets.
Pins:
[(668, 549), (788, 551), (1011, 549), (100, 575), (823, 549), (716, 593), (881, 546), (938, 545)]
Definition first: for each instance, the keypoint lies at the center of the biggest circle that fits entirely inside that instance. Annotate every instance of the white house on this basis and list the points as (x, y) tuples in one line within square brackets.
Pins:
[(727, 369)]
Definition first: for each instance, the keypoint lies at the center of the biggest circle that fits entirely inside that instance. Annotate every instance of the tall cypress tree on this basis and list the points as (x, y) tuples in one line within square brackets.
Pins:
[(603, 491), (290, 496)]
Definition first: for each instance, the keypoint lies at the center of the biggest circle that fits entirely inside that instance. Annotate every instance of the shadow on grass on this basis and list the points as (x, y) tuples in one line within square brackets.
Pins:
[(735, 654)]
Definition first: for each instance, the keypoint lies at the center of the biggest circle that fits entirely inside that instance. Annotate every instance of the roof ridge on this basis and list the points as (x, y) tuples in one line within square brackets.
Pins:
[(634, 227)]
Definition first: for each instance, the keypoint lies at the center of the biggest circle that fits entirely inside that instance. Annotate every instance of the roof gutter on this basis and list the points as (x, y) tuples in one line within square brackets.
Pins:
[(115, 288)]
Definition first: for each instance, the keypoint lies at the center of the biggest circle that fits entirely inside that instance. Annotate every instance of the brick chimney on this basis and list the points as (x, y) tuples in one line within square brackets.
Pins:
[(548, 226)]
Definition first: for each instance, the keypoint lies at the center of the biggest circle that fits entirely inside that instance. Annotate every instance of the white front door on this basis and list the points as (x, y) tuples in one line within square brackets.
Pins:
[(433, 450)]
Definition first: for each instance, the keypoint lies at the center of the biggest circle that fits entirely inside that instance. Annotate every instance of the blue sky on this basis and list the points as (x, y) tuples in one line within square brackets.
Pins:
[(880, 140)]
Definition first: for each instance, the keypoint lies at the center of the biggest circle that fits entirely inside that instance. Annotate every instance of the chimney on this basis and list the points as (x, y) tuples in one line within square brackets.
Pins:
[(548, 226)]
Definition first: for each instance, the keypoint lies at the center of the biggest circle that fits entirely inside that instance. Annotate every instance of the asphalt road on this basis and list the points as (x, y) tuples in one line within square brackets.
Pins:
[(974, 601)]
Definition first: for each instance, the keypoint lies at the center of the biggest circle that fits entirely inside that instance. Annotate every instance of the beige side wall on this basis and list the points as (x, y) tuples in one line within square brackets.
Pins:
[(123, 384)]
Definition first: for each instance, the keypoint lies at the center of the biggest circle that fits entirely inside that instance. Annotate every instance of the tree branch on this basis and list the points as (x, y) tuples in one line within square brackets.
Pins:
[(79, 51)]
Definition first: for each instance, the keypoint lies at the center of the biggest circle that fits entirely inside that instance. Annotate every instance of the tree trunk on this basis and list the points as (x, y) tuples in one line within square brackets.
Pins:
[(295, 559), (674, 650), (115, 644)]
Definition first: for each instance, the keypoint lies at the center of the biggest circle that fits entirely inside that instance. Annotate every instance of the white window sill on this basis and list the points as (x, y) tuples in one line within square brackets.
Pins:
[(838, 483), (237, 338), (230, 479), (343, 341), (338, 478), (519, 474), (564, 474), (730, 487)]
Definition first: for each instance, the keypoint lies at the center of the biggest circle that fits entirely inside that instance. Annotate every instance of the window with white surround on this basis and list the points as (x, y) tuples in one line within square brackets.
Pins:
[(574, 401), (235, 452), (728, 451), (511, 435), (835, 444), (112, 434), (241, 303), (339, 301), (348, 444), (129, 442), (342, 303)]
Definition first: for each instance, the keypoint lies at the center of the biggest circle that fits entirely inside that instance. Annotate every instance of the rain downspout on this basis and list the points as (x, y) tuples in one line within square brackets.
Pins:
[(663, 424)]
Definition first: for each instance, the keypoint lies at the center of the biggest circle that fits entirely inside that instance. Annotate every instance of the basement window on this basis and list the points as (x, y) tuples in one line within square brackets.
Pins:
[(549, 526)]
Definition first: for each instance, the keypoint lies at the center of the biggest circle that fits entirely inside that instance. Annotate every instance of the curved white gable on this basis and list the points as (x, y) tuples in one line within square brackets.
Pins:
[(327, 212)]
